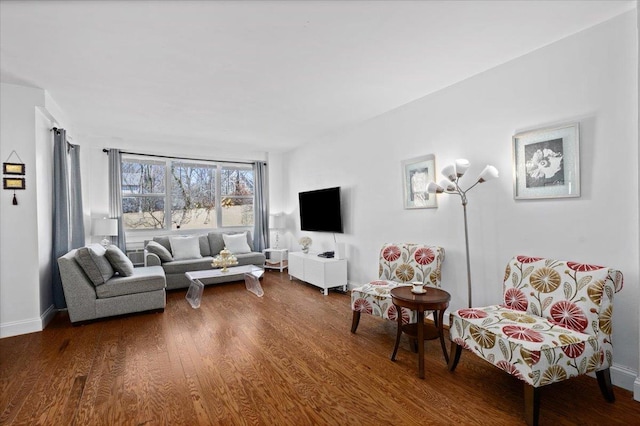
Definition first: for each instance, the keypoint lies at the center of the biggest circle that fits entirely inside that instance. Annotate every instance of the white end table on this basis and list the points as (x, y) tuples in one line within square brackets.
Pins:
[(275, 258)]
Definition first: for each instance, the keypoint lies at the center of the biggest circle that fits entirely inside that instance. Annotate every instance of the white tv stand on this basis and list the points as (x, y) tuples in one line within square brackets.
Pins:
[(322, 272)]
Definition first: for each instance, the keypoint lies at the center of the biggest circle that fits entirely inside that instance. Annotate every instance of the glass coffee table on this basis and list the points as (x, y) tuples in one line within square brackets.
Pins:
[(251, 274)]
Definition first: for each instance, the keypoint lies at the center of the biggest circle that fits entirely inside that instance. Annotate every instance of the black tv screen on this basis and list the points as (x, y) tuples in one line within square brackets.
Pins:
[(320, 210)]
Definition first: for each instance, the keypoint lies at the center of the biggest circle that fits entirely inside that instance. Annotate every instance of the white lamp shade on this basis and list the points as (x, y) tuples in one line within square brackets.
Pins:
[(103, 227), (276, 221), (461, 166), (488, 173), (450, 172), (447, 185), (434, 188)]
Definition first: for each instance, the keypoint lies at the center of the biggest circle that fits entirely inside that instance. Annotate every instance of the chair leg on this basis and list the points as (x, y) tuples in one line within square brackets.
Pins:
[(454, 356), (413, 343), (531, 404), (355, 321), (604, 381)]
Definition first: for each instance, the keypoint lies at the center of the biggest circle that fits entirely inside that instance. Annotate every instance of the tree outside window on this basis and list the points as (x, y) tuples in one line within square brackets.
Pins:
[(191, 199)]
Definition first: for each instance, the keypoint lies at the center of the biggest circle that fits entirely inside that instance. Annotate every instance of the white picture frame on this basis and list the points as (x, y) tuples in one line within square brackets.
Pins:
[(546, 163), (416, 175)]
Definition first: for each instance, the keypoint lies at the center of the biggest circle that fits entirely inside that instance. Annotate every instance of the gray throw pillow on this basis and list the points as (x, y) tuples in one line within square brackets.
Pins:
[(120, 262), (94, 264), (159, 250)]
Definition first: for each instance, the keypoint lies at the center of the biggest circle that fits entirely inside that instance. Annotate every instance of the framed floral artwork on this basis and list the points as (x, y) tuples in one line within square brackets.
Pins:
[(416, 175), (546, 163)]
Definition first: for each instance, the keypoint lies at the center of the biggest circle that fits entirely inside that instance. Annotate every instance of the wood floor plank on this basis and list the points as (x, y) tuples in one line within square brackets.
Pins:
[(286, 358)]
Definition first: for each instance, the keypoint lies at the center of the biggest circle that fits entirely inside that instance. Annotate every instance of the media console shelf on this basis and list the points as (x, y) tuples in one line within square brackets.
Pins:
[(319, 271)]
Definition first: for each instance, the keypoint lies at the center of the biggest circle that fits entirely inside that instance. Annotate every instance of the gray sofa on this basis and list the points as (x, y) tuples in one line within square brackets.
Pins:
[(210, 246), (142, 291)]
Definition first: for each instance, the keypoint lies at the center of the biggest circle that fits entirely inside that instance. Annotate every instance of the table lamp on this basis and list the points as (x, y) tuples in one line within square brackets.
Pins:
[(105, 227)]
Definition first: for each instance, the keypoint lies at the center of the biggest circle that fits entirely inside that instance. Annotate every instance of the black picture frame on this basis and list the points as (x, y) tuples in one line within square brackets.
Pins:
[(13, 168), (13, 183)]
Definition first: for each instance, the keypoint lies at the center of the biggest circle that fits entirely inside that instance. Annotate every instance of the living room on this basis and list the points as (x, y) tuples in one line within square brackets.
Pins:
[(589, 76)]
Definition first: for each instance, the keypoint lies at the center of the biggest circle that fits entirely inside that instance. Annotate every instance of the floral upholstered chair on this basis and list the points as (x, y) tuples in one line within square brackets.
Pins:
[(554, 324), (400, 264)]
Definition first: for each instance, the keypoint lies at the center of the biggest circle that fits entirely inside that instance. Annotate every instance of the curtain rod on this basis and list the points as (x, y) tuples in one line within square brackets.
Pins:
[(182, 158), (57, 130)]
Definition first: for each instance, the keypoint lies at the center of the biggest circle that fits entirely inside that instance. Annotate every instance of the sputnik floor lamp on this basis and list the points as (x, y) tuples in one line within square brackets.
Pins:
[(451, 185)]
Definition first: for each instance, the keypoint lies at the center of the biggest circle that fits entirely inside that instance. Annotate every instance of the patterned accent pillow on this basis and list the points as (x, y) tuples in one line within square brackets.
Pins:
[(159, 250), (120, 262), (94, 264)]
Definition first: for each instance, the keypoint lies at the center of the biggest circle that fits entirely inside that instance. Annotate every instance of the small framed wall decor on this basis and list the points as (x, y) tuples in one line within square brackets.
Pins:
[(13, 168), (13, 183), (416, 175), (546, 163)]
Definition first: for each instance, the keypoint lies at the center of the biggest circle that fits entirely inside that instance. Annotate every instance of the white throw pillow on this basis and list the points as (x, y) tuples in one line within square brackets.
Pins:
[(236, 243), (185, 248)]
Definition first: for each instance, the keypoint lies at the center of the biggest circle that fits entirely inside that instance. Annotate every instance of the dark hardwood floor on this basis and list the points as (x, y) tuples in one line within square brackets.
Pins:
[(287, 358)]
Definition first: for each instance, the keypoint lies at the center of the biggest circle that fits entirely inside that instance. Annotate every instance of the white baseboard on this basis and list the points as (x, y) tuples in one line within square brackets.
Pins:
[(48, 315), (636, 389), (624, 377), (16, 328), (32, 325)]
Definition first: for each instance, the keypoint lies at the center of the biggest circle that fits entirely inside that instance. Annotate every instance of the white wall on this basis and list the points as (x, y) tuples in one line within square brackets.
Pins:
[(26, 300), (591, 78)]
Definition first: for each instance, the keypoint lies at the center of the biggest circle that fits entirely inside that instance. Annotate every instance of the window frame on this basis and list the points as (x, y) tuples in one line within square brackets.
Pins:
[(168, 227)]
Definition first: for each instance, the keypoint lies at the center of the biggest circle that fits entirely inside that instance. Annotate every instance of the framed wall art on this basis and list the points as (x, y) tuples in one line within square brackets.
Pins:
[(416, 175), (13, 183), (546, 163), (13, 168)]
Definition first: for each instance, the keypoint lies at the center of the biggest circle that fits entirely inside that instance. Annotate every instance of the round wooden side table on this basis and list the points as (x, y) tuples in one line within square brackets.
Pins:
[(434, 299)]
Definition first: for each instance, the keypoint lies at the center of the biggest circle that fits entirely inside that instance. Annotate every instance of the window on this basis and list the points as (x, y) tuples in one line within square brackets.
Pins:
[(143, 194), (179, 194), (237, 191)]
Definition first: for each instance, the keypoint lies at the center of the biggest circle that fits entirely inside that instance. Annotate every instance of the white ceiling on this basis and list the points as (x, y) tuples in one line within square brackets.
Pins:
[(267, 74)]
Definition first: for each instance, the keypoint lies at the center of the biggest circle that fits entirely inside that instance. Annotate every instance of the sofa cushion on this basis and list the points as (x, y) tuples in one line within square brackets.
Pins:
[(236, 243), (164, 242), (205, 249), (253, 258), (119, 261), (182, 266), (93, 262), (185, 248), (216, 242), (143, 280), (159, 250)]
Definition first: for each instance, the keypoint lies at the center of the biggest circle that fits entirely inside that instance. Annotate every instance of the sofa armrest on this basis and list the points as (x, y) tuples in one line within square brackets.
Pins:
[(151, 259)]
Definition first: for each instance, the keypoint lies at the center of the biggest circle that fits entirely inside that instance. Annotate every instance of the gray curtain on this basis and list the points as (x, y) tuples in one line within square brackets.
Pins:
[(115, 197), (261, 220), (76, 216), (68, 224)]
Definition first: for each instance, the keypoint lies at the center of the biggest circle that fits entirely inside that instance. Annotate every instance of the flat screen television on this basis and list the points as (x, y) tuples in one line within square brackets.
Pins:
[(320, 210)]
